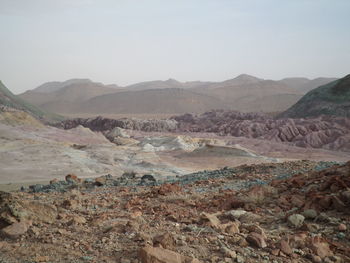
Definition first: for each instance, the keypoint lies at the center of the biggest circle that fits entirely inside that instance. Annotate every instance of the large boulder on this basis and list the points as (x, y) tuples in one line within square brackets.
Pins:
[(15, 230), (14, 210)]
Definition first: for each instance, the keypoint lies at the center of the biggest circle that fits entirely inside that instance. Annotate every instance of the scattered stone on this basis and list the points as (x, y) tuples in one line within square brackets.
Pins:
[(240, 259), (70, 204), (150, 254), (78, 220), (341, 235), (255, 228), (148, 179), (250, 217), (15, 230), (165, 241), (346, 196), (296, 220), (342, 227), (235, 214), (54, 181), (228, 252), (230, 228), (320, 247), (316, 259), (313, 228), (42, 258), (166, 189), (310, 214), (212, 219), (103, 180), (108, 224), (256, 240), (285, 248), (73, 179)]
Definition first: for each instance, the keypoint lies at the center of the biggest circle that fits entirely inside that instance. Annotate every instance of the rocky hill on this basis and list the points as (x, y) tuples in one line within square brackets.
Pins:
[(330, 99), (12, 103)]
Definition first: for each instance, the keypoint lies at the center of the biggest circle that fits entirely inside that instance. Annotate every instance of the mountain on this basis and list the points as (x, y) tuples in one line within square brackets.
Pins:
[(167, 84), (305, 85), (243, 93), (247, 93), (174, 100), (242, 79), (330, 99), (56, 85), (157, 84), (64, 97), (11, 102)]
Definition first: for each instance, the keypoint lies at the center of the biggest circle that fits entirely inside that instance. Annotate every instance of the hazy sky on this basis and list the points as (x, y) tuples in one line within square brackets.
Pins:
[(123, 42)]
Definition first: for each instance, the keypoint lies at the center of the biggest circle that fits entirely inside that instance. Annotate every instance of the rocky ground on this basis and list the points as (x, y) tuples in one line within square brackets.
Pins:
[(31, 151), (325, 132), (275, 212), (40, 153), (156, 193)]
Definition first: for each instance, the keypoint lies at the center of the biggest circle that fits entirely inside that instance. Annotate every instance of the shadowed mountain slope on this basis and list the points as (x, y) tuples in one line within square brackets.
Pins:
[(11, 102), (329, 99)]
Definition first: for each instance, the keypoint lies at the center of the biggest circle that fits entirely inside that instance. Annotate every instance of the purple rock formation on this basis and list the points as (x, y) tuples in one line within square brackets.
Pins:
[(326, 132)]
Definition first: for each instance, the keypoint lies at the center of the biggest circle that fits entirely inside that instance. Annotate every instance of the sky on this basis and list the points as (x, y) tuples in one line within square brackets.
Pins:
[(129, 41)]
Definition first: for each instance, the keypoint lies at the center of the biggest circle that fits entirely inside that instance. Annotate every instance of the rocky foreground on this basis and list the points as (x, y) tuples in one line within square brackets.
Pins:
[(285, 212)]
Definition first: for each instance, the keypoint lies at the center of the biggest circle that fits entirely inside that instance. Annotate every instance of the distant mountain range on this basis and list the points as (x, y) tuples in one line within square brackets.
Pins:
[(330, 99), (11, 102), (244, 93)]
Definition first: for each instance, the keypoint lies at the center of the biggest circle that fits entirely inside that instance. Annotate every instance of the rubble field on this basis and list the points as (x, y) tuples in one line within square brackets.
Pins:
[(273, 212)]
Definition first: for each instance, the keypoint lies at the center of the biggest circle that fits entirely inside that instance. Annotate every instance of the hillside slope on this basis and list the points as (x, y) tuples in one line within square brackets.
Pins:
[(66, 96), (330, 99), (255, 94), (52, 86), (152, 101), (9, 101)]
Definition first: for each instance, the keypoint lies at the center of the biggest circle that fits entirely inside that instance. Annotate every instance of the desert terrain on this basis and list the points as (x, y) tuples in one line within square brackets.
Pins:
[(193, 131), (218, 186)]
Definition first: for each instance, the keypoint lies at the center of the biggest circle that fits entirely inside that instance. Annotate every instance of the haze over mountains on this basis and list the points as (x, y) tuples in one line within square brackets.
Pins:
[(244, 93)]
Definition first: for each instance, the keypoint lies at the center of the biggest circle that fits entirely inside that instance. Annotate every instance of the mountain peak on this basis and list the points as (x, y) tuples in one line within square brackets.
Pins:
[(56, 85), (247, 77), (243, 79), (172, 81)]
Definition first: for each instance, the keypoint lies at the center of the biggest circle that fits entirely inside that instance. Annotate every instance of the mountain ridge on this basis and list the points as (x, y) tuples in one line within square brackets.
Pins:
[(244, 93)]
